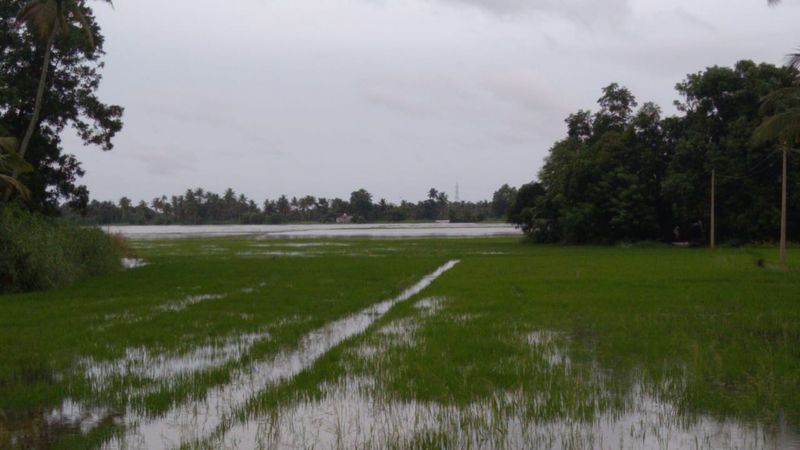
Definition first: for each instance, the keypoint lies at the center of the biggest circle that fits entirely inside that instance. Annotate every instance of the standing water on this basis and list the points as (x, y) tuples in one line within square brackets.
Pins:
[(194, 421), (314, 231)]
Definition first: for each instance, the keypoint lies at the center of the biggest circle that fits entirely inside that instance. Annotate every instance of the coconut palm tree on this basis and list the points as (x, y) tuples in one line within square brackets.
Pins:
[(782, 125), (49, 19)]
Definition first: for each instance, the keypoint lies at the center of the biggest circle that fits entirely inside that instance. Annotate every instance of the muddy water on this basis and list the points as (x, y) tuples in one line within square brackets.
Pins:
[(313, 231), (194, 421)]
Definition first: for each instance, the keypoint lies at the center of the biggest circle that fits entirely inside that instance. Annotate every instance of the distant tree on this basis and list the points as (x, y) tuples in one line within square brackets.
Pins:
[(339, 206), (629, 174), (125, 206), (529, 211), (616, 106), (306, 205), (284, 208), (501, 200), (721, 107), (230, 205), (361, 204), (579, 126)]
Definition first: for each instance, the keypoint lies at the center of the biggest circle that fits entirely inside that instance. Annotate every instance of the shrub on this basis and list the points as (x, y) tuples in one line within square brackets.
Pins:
[(38, 253)]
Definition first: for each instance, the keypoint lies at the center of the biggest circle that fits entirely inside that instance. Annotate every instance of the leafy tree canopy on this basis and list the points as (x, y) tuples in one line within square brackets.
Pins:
[(629, 174), (70, 100)]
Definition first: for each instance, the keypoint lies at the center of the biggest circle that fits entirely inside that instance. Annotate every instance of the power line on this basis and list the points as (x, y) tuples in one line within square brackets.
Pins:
[(754, 170)]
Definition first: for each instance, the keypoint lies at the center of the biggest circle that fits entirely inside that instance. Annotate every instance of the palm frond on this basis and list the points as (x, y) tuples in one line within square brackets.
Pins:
[(42, 15), (10, 159), (780, 100), (28, 11), (781, 128), (8, 144), (17, 185), (87, 29), (62, 18), (793, 60)]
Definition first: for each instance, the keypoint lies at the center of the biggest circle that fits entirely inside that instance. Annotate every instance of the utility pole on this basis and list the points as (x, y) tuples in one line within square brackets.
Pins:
[(784, 203), (713, 208)]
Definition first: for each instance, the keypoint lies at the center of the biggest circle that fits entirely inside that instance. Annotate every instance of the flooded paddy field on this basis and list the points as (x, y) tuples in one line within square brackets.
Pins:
[(266, 342), (386, 230)]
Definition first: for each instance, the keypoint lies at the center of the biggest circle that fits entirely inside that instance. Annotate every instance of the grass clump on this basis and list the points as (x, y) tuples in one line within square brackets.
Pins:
[(38, 253)]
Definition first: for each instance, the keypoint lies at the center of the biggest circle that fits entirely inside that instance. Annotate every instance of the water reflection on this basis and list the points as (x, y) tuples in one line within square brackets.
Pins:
[(316, 231), (354, 414), (193, 421)]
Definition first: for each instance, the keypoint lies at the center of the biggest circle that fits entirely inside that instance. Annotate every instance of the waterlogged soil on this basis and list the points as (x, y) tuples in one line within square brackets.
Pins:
[(191, 422), (479, 343)]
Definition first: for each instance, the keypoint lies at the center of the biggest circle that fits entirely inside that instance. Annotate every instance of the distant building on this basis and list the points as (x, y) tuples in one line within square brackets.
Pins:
[(344, 218)]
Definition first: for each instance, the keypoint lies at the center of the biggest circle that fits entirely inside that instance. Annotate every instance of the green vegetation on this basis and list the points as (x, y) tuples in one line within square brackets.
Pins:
[(11, 164), (200, 206), (41, 253), (549, 336), (626, 174), (51, 71), (192, 294), (572, 334)]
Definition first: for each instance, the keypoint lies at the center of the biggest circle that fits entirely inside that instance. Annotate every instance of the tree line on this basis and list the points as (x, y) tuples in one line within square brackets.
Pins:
[(626, 173), (199, 206), (621, 173)]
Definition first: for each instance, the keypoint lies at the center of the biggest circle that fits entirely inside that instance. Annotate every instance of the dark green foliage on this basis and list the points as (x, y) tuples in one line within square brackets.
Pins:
[(628, 175), (502, 199), (199, 206), (69, 101), (41, 253), (361, 204)]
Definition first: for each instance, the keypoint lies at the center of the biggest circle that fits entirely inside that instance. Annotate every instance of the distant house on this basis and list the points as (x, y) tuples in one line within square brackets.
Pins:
[(344, 218)]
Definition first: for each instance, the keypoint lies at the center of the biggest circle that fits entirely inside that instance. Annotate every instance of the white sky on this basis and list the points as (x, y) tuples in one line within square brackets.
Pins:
[(323, 97)]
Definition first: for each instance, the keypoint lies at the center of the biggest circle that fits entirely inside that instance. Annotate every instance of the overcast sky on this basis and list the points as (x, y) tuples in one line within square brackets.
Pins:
[(323, 97)]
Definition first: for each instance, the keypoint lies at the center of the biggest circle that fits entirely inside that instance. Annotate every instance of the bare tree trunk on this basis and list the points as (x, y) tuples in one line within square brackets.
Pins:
[(784, 183), (37, 108), (713, 208)]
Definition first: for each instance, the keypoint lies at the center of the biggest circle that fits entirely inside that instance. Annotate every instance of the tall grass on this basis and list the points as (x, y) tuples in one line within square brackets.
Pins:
[(38, 253)]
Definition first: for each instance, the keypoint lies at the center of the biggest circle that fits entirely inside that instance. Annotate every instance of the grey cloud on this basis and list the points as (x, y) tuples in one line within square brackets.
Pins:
[(418, 96), (165, 160), (394, 96), (215, 122), (586, 12), (527, 88), (394, 99)]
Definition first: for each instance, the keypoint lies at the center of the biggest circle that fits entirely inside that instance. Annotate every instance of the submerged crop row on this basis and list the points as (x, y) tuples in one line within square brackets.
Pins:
[(242, 343)]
